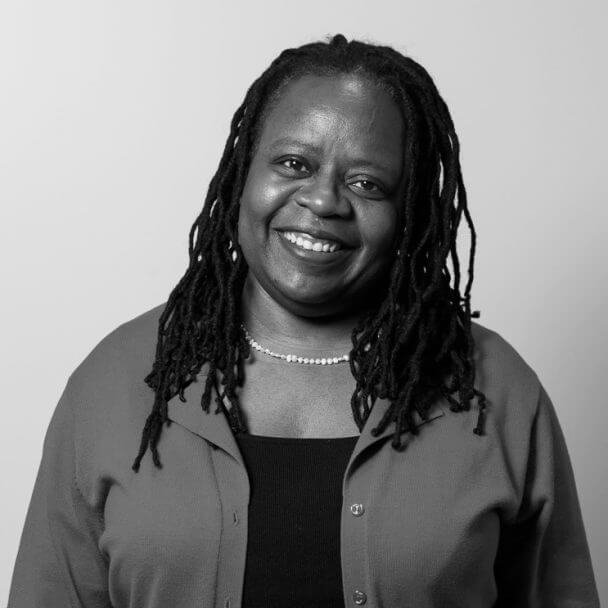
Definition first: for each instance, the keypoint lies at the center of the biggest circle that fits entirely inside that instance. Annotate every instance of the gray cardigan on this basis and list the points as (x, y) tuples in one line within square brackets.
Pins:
[(455, 520)]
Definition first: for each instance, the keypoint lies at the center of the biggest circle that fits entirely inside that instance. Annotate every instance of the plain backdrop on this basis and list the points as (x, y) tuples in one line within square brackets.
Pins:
[(113, 117)]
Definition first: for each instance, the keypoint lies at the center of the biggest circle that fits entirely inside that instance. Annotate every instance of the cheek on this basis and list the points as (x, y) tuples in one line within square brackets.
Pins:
[(261, 198), (253, 209), (260, 201), (378, 230)]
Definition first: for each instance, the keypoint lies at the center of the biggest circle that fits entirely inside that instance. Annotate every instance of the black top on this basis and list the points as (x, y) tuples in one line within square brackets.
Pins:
[(293, 539)]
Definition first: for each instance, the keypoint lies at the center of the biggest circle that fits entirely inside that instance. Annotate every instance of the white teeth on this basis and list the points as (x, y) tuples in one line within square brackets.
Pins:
[(307, 242)]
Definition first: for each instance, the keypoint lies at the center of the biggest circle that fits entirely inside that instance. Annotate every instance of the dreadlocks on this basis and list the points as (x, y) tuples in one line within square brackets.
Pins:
[(415, 345)]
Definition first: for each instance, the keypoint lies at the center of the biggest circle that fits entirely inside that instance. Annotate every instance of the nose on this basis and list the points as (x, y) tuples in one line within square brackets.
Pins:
[(323, 196)]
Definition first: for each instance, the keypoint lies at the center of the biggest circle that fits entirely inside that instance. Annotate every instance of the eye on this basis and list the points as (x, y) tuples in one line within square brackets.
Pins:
[(293, 163), (368, 186)]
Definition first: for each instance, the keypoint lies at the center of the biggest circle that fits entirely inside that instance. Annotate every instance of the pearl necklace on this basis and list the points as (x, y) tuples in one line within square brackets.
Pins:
[(294, 358)]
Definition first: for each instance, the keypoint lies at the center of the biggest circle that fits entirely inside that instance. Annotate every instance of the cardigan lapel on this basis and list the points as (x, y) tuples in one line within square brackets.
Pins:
[(367, 439), (210, 426), (215, 428)]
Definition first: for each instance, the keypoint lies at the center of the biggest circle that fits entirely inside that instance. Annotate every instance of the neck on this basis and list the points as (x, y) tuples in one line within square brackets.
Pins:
[(273, 325)]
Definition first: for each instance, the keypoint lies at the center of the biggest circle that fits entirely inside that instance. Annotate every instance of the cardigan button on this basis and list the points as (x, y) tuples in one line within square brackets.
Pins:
[(359, 597), (357, 509)]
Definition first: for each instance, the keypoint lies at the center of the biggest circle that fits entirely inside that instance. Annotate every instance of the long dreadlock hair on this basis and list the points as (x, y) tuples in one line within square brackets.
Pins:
[(415, 345)]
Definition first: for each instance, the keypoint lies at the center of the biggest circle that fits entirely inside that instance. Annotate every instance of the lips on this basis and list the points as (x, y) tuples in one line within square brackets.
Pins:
[(309, 242), (314, 241)]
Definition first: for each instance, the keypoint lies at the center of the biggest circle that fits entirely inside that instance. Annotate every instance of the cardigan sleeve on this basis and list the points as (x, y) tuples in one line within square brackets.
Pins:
[(58, 562), (543, 557)]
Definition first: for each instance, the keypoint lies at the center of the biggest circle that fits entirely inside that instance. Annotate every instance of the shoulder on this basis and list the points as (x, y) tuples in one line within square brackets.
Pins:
[(127, 350), (105, 403), (511, 387), (107, 388), (110, 401), (498, 364)]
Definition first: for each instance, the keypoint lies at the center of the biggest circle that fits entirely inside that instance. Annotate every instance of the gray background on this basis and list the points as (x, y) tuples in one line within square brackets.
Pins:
[(113, 118)]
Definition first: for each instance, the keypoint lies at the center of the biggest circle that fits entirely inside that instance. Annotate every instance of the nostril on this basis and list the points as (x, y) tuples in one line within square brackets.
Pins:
[(324, 203)]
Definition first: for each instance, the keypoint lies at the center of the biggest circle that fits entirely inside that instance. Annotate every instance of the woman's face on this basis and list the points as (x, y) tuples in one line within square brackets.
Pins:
[(320, 205)]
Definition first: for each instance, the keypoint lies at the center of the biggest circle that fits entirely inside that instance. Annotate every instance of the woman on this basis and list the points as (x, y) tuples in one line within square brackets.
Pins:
[(318, 278)]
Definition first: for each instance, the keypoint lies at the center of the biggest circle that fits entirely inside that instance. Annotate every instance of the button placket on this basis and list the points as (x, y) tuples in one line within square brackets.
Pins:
[(359, 597), (356, 519), (233, 487)]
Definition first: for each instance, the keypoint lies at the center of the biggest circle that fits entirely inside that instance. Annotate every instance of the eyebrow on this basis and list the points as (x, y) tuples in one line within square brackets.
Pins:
[(295, 142), (359, 161)]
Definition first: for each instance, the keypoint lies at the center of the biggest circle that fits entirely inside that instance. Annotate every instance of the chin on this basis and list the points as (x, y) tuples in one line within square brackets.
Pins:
[(316, 303), (309, 305)]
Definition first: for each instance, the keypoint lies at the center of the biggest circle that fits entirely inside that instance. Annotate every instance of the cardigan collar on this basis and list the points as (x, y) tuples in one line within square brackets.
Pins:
[(214, 427)]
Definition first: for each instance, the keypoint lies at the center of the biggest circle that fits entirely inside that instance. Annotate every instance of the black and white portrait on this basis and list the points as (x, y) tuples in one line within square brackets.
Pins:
[(303, 304)]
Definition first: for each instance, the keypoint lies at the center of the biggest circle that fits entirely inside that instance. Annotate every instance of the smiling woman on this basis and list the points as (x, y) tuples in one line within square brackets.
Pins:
[(321, 313), (320, 206)]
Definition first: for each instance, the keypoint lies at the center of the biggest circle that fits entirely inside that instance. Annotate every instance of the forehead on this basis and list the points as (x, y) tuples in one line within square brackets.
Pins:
[(342, 107)]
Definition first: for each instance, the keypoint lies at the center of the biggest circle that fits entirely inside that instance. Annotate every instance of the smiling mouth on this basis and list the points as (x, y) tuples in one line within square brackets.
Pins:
[(309, 243)]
